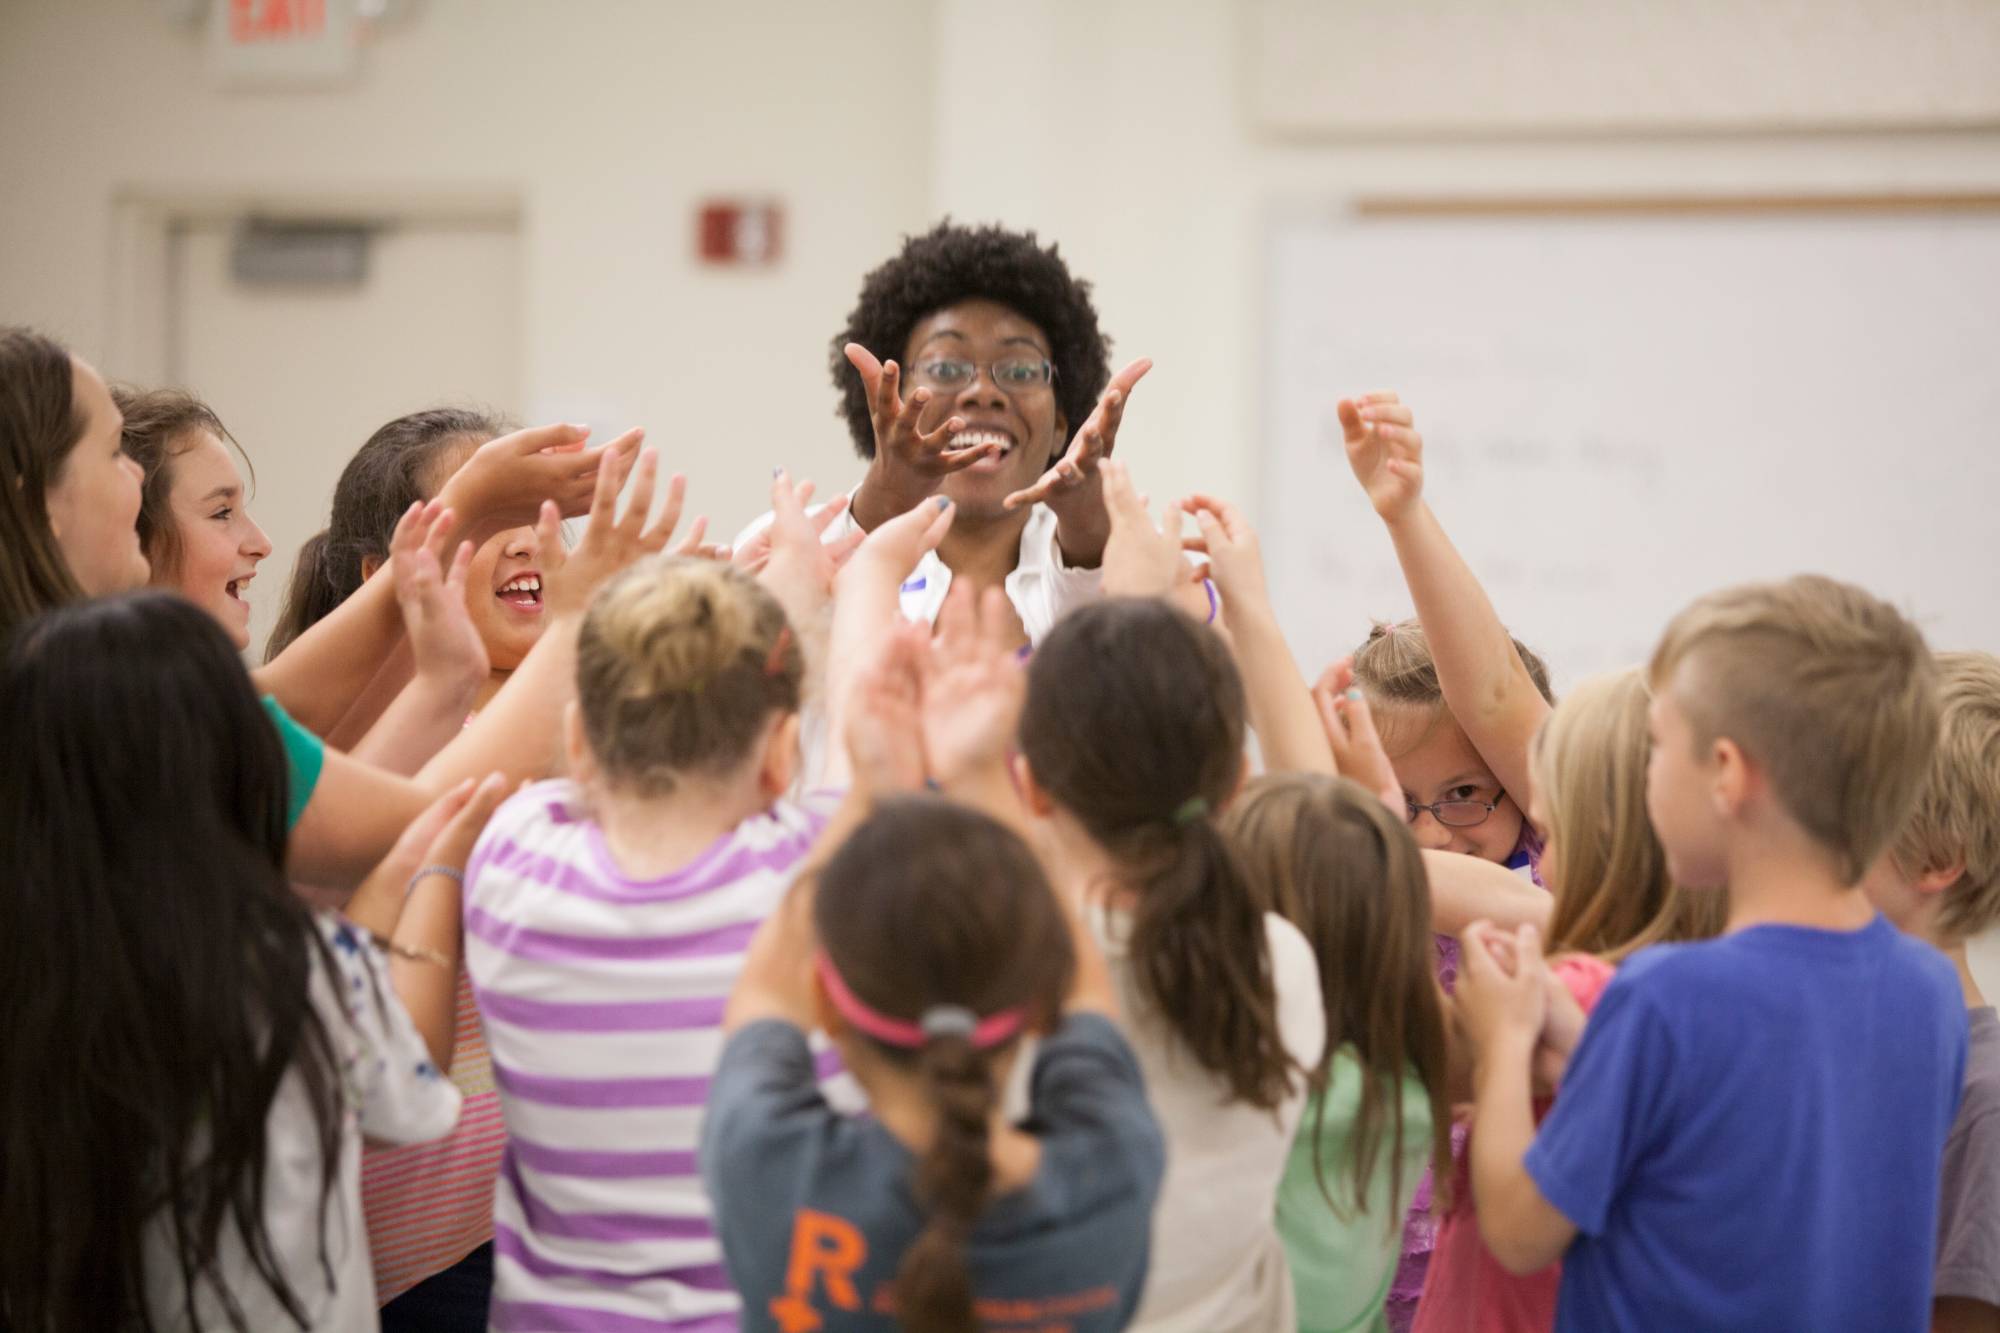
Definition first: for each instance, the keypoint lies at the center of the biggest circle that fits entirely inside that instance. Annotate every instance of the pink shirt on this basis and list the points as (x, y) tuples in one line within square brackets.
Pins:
[(431, 1204), (1466, 1288)]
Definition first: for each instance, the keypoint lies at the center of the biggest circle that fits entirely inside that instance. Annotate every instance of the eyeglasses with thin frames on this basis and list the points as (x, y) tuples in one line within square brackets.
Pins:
[(1453, 814), (1018, 374)]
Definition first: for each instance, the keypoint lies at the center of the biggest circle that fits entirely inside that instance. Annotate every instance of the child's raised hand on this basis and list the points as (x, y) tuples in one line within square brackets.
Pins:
[(1350, 730), (898, 440), (885, 741), (1385, 451), (610, 542), (452, 844), (892, 550), (443, 640), (974, 685), (1143, 558), (1502, 1011), (1235, 558), (695, 545), (753, 555), (503, 484), (794, 563), (1070, 478)]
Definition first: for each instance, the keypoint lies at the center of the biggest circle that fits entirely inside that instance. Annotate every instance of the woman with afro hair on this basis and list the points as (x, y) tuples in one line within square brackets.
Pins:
[(972, 368)]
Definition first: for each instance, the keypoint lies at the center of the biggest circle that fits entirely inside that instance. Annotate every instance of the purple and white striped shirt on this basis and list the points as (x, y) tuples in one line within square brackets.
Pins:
[(602, 998)]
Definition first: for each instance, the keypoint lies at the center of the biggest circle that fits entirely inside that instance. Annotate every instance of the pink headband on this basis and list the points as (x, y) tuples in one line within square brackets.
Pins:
[(940, 1020)]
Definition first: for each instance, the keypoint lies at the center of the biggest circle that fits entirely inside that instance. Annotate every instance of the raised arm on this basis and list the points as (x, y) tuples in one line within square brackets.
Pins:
[(1073, 486), (1485, 683), (974, 688), (450, 659), (1282, 711), (412, 900)]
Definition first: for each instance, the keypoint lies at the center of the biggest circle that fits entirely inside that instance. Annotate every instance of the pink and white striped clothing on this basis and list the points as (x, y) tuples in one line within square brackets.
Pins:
[(431, 1204), (602, 998)]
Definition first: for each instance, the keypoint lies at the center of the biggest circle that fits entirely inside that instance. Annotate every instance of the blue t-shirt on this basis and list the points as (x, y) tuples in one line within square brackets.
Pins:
[(1749, 1134), (815, 1209)]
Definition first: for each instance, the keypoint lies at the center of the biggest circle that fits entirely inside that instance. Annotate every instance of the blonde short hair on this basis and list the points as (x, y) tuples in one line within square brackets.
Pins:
[(1957, 819), (1830, 689), (679, 665), (1613, 895), (1394, 665)]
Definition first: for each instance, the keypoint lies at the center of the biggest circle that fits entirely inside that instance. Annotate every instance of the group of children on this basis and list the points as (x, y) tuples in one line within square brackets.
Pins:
[(878, 922)]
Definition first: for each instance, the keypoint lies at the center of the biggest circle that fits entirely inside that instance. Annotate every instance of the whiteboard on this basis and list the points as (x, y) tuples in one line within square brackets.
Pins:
[(1623, 412)]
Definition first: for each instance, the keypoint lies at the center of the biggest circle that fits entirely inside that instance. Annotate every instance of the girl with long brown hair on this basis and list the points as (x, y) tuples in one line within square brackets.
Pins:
[(1344, 869), (1132, 740)]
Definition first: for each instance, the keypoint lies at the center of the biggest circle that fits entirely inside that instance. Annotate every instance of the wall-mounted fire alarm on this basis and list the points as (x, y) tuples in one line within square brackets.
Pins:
[(739, 231)]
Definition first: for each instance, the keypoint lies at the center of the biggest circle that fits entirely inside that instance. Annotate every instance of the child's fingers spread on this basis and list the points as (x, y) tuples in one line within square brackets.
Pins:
[(1351, 424), (640, 502), (1360, 718), (461, 565), (662, 529), (823, 518), (548, 535), (692, 543)]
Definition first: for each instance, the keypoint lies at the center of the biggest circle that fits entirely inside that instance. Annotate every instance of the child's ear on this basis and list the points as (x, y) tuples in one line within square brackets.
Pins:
[(779, 767), (369, 564), (1732, 780), (1032, 795), (825, 1017), (576, 746), (1939, 878)]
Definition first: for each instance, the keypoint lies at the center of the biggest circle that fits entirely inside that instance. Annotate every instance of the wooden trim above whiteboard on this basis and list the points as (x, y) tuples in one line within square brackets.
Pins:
[(1654, 205)]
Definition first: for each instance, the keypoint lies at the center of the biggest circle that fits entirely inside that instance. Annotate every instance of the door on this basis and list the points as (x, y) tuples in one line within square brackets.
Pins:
[(302, 374)]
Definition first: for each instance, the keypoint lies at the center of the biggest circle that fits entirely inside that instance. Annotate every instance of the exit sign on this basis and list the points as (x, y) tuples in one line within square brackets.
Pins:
[(281, 43)]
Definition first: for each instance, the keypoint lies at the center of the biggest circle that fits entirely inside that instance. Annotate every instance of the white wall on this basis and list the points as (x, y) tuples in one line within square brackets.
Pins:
[(608, 119), (1130, 145), (1120, 128)]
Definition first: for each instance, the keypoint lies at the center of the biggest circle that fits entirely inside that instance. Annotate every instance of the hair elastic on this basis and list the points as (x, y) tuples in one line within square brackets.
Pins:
[(940, 1020), (1194, 808), (774, 662)]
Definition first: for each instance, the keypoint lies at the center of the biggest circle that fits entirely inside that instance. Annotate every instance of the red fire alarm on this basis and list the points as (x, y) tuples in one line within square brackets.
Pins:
[(739, 231)]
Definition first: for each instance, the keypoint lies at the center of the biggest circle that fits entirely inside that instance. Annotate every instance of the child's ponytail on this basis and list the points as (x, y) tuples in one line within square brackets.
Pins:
[(933, 1284), (1202, 957), (942, 942), (1134, 725)]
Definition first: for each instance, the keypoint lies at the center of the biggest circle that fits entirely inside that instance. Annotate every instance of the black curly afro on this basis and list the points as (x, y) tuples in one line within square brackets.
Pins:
[(949, 264)]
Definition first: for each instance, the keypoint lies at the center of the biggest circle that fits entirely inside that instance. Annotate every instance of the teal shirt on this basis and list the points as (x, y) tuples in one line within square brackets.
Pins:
[(305, 755), (1342, 1260)]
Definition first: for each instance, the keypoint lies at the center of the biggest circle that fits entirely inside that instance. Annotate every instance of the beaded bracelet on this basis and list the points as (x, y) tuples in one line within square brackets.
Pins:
[(452, 873)]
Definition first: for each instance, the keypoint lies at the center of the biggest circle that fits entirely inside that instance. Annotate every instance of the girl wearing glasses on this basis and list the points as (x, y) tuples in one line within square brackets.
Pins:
[(1458, 700)]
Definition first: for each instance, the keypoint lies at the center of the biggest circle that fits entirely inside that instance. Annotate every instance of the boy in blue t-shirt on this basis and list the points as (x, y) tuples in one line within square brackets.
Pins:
[(1749, 1133)]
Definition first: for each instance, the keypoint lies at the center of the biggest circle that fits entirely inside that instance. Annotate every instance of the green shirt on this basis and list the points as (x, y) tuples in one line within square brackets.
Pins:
[(305, 755), (1342, 1260)]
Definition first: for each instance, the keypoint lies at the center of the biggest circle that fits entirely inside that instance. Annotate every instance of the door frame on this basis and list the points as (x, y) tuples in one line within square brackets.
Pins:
[(147, 223)]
